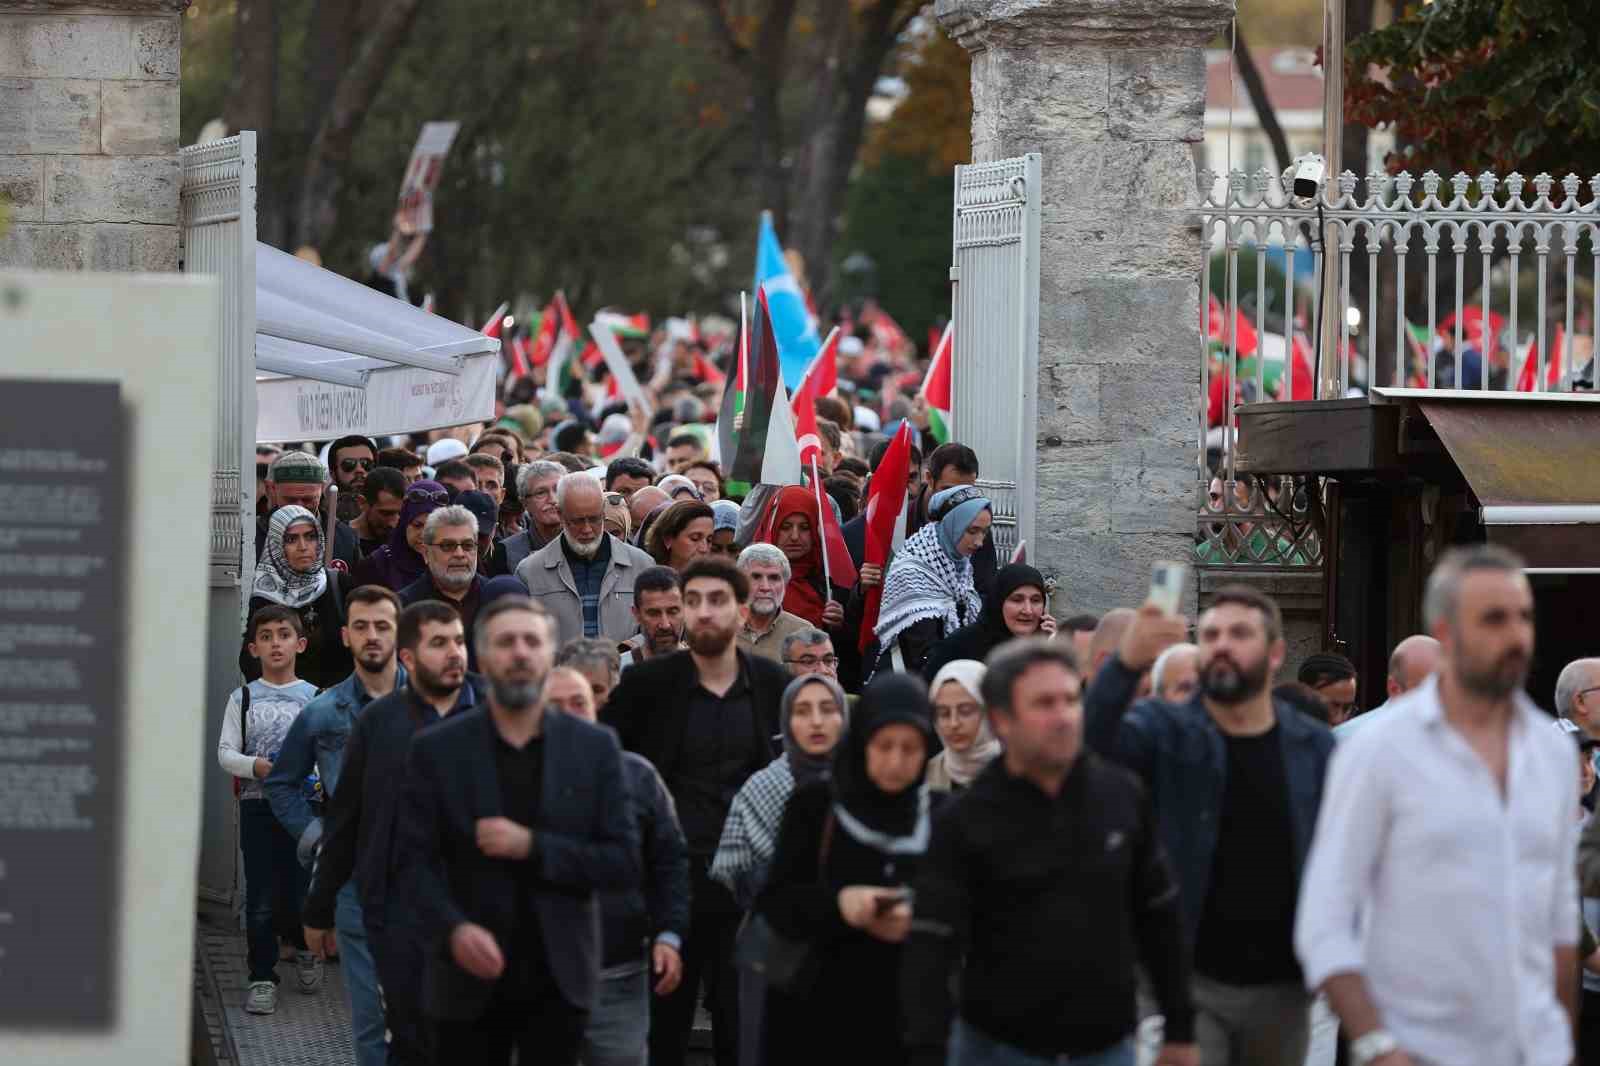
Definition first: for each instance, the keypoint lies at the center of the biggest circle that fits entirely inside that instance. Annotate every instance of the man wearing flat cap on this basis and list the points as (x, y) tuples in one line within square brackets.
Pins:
[(298, 478)]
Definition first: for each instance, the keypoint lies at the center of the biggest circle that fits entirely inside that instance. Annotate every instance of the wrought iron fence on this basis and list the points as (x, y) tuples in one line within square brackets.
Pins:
[(1469, 260)]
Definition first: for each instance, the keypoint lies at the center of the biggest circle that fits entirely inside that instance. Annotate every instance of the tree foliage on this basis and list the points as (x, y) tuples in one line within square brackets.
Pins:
[(611, 148), (1471, 85)]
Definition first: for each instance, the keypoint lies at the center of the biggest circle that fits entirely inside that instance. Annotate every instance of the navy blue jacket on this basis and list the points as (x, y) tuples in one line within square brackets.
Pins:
[(316, 741), (1182, 757), (361, 831), (657, 909), (585, 841)]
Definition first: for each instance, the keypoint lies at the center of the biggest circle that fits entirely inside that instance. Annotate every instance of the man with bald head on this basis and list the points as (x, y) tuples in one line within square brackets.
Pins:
[(1578, 695), (1410, 664), (645, 500), (1108, 636), (584, 577)]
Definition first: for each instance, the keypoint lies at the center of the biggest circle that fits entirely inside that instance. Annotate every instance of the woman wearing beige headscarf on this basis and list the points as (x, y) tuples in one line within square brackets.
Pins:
[(962, 724)]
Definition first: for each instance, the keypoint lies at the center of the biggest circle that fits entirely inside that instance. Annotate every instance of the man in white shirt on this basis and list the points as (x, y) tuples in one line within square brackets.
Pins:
[(1439, 912)]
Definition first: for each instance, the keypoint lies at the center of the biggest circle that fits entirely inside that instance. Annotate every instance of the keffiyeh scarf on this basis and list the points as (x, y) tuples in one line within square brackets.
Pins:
[(925, 582), (275, 580)]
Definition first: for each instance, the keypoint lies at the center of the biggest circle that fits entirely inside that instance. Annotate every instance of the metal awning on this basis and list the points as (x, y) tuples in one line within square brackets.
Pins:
[(333, 356), (1535, 469)]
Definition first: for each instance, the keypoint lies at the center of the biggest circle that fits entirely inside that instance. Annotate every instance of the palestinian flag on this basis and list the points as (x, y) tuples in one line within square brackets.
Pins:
[(886, 521), (732, 405), (936, 387), (766, 451), (1552, 368), (562, 371)]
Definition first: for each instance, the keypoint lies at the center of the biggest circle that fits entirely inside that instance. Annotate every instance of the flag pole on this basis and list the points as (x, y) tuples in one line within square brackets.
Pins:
[(822, 540)]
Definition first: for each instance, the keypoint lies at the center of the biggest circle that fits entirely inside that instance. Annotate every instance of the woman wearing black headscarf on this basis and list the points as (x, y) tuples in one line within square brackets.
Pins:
[(1015, 607), (847, 850)]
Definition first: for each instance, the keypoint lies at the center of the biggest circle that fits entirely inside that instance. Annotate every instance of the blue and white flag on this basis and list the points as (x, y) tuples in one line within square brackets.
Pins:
[(792, 321)]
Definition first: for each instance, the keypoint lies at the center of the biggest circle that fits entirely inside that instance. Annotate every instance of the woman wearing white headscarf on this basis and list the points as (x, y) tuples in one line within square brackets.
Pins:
[(928, 592), (291, 573), (962, 724)]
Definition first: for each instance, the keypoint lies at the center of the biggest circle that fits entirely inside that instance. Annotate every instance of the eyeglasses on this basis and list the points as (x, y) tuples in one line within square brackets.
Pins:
[(811, 662), (585, 520), (1586, 691), (349, 465), (427, 496), (450, 547)]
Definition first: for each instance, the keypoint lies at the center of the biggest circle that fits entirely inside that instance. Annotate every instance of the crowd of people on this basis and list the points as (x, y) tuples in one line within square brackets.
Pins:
[(551, 739)]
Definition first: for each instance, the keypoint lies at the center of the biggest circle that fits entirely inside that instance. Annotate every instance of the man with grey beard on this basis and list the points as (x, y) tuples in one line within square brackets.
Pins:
[(584, 578), (450, 548), (512, 820)]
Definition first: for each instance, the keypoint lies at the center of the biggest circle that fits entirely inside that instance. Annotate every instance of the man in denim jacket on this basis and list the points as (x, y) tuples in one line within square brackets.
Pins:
[(1236, 781), (316, 743)]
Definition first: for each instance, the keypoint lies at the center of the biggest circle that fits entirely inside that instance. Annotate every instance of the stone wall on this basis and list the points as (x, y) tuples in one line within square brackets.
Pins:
[(1111, 93), (89, 134)]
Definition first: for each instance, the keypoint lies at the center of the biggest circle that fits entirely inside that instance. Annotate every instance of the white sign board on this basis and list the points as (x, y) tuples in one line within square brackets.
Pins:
[(155, 339), (402, 400), (423, 172)]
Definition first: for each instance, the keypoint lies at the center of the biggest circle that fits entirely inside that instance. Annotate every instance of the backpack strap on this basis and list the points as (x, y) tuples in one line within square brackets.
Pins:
[(244, 714)]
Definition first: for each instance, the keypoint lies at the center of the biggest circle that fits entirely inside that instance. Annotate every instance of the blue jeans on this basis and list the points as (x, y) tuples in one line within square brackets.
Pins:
[(274, 888), (969, 1047), (619, 1024), (360, 981)]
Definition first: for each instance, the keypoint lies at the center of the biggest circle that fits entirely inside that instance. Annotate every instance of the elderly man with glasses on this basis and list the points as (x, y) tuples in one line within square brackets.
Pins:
[(769, 625), (584, 577), (810, 651), (450, 550)]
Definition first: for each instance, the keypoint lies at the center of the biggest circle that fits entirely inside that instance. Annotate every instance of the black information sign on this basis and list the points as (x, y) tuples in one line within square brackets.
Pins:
[(62, 593)]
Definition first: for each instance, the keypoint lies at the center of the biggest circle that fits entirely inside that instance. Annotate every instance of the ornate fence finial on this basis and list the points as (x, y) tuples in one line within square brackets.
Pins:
[(1430, 183), (1541, 185), (1460, 184), (1347, 183), (1570, 185), (1402, 185), (1515, 183)]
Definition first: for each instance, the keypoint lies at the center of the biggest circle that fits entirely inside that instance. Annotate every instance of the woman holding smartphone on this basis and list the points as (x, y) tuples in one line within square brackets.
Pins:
[(847, 851)]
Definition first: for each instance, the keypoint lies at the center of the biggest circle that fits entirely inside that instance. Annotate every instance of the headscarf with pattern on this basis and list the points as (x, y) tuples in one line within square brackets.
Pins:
[(275, 579)]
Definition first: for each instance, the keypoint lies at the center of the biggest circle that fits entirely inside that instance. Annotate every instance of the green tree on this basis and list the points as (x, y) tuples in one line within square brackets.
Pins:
[(1471, 85)]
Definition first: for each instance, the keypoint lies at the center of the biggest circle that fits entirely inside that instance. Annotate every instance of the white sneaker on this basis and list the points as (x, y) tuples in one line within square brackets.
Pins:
[(308, 967), (263, 998)]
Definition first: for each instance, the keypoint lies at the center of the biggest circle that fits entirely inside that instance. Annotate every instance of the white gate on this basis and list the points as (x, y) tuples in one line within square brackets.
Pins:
[(218, 197), (995, 357)]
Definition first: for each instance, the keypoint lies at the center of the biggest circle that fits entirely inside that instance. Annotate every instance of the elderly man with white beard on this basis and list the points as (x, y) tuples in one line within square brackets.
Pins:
[(769, 625), (584, 577)]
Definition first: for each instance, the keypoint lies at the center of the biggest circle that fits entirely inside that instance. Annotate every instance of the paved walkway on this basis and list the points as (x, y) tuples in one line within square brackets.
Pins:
[(306, 1030)]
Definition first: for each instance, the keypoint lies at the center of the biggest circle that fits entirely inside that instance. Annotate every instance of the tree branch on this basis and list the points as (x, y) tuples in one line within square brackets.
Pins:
[(1257, 92), (330, 147), (737, 52)]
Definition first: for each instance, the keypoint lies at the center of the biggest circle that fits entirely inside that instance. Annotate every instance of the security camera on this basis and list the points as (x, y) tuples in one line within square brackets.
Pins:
[(1308, 171)]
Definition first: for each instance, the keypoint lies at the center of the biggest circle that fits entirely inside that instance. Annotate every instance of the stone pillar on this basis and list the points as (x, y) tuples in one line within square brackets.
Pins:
[(1111, 93), (89, 133)]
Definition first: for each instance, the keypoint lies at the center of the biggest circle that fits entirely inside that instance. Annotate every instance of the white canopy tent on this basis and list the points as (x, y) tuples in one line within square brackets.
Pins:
[(333, 356)]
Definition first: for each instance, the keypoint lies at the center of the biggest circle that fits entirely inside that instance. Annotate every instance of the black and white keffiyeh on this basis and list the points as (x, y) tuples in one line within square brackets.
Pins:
[(925, 582), (275, 580), (750, 833)]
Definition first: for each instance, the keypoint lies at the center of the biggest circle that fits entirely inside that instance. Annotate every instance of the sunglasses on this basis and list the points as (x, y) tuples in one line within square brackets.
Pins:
[(349, 465), (426, 496), (616, 499), (261, 471)]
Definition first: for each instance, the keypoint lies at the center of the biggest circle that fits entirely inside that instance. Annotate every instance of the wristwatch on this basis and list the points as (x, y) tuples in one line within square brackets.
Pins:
[(1374, 1045)]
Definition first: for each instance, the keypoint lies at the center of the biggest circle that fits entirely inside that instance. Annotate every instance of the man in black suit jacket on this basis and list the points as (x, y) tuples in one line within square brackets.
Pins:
[(708, 719), (513, 818)]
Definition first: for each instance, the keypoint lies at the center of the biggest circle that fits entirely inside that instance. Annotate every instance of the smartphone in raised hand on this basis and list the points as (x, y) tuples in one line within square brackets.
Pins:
[(1167, 580)]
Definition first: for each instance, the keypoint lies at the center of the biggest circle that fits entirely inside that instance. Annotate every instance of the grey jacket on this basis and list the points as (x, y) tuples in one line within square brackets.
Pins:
[(548, 575)]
